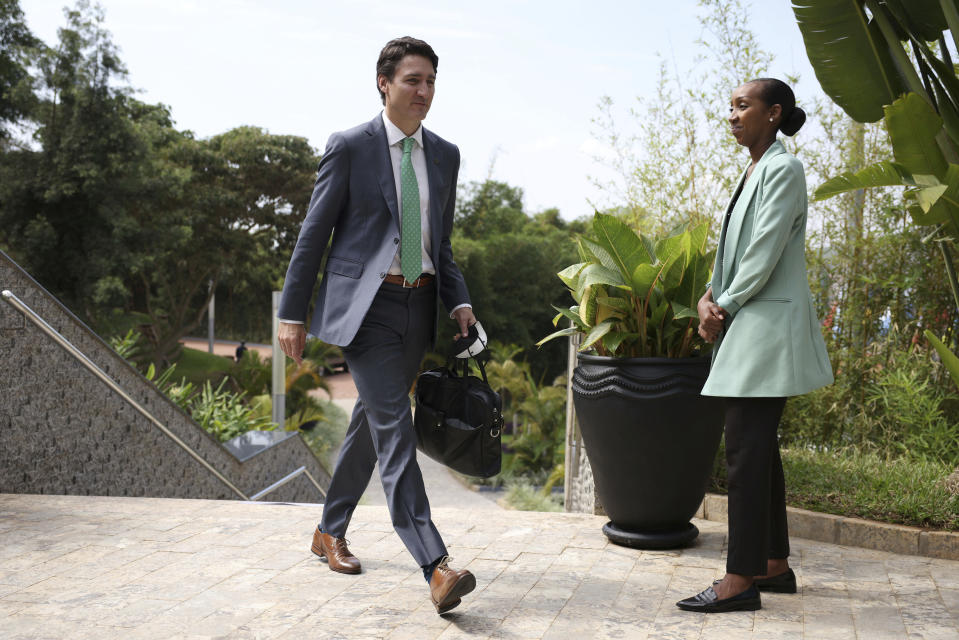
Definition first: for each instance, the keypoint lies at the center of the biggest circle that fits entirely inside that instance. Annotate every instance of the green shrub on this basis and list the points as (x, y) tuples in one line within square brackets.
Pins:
[(523, 496), (864, 484), (535, 415), (223, 414), (889, 400)]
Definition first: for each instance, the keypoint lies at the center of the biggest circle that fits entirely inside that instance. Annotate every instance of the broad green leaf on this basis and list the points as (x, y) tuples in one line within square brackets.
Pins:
[(606, 312), (623, 244), (658, 313), (644, 278), (617, 303), (945, 85), (699, 237), (913, 125), (570, 275), (587, 306), (650, 247), (598, 274), (694, 281), (681, 312), (882, 174), (950, 116), (597, 253), (949, 359), (849, 56), (569, 314), (595, 334), (927, 196), (614, 339), (670, 246), (939, 204), (924, 18), (568, 331), (675, 269)]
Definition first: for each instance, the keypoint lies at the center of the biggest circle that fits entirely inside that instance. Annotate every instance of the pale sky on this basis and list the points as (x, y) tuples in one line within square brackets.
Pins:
[(517, 81)]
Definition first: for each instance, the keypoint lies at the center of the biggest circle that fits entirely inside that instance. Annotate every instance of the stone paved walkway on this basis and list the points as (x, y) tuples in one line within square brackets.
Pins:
[(82, 567)]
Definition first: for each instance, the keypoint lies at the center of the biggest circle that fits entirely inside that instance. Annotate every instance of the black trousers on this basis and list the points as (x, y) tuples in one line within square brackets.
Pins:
[(757, 488)]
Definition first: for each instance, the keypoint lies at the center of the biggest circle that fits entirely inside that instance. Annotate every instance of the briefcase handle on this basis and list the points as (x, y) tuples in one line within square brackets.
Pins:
[(451, 365)]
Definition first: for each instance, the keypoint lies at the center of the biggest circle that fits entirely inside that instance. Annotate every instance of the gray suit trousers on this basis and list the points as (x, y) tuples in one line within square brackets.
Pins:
[(384, 359)]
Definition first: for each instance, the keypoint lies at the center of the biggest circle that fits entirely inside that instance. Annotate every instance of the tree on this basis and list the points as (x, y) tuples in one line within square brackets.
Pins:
[(118, 210), (680, 164), (16, 84), (510, 261), (487, 208), (60, 204), (232, 218)]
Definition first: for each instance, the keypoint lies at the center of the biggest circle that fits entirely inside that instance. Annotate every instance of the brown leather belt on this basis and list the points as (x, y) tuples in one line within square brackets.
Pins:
[(422, 281)]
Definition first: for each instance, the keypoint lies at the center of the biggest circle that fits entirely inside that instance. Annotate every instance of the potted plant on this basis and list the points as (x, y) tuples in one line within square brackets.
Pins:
[(650, 437)]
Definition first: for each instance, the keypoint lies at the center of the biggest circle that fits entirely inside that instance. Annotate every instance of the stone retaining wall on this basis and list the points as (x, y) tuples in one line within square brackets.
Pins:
[(63, 431)]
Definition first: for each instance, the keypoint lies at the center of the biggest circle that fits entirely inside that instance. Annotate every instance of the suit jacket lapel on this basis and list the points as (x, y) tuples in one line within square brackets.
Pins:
[(731, 240), (434, 163), (384, 166)]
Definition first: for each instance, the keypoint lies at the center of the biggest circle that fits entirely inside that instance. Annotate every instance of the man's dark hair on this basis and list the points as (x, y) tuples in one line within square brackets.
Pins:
[(397, 49), (775, 91)]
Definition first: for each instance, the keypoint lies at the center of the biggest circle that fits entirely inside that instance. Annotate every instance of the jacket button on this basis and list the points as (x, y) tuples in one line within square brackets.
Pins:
[(382, 275), (396, 240)]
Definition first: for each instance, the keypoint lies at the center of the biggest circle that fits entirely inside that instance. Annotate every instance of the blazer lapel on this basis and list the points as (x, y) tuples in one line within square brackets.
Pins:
[(384, 166), (731, 240), (434, 164), (717, 279)]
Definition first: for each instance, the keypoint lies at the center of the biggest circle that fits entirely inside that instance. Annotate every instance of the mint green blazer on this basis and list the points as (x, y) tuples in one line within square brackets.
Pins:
[(772, 345)]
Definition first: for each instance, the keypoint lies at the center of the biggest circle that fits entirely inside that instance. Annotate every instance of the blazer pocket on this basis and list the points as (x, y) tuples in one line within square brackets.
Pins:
[(344, 267), (766, 299)]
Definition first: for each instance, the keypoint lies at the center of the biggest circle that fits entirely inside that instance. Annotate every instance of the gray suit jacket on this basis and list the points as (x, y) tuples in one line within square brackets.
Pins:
[(354, 200)]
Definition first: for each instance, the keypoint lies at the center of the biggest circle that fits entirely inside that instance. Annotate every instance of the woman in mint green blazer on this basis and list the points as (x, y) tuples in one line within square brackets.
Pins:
[(768, 344)]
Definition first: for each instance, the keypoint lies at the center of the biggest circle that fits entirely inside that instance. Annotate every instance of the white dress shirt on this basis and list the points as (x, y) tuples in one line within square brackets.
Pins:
[(395, 137)]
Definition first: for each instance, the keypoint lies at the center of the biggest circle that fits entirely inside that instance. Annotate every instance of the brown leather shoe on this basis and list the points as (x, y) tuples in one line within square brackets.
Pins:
[(447, 586), (335, 552)]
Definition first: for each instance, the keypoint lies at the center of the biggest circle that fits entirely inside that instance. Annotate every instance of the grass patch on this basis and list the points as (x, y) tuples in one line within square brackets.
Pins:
[(859, 484), (523, 496), (199, 366)]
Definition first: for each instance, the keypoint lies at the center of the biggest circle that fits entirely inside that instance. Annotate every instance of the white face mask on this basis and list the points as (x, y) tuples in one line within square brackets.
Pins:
[(478, 344)]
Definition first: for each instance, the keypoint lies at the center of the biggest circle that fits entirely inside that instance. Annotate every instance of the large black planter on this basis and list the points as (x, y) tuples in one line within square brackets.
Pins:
[(651, 440)]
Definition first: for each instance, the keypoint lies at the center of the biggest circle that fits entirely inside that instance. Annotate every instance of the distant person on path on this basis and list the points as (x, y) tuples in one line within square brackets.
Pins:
[(768, 343), (240, 350), (385, 190)]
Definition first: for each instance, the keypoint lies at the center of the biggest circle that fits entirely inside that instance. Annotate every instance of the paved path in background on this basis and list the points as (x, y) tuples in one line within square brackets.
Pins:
[(442, 488), (138, 568), (226, 348)]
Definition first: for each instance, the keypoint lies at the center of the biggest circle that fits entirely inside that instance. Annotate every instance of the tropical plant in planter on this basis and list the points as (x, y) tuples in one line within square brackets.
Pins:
[(650, 436)]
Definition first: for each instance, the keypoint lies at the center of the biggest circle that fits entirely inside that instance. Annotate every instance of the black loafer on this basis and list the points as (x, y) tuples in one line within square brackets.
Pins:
[(709, 602), (783, 583)]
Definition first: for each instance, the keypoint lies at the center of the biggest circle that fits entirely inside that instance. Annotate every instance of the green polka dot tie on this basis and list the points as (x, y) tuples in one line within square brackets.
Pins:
[(411, 253)]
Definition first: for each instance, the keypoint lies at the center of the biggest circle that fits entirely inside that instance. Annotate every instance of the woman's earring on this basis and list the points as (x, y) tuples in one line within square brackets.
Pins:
[(770, 119)]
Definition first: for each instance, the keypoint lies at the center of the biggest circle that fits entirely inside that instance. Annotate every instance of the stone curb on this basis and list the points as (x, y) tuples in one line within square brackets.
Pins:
[(852, 532)]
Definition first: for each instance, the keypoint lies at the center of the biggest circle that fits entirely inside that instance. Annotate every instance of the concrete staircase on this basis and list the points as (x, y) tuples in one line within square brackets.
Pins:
[(63, 430)]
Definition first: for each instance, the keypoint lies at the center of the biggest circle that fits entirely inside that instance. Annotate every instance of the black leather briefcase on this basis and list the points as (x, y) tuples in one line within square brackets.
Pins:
[(459, 419)]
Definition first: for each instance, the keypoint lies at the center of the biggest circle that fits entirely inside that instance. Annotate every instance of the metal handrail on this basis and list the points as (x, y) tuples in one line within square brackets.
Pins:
[(42, 324), (282, 481)]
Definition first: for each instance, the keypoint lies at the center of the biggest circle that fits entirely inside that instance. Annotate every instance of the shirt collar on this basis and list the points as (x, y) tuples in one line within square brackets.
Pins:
[(394, 134)]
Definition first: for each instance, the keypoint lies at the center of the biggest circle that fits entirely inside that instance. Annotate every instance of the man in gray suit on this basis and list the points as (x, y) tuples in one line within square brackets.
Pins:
[(385, 192)]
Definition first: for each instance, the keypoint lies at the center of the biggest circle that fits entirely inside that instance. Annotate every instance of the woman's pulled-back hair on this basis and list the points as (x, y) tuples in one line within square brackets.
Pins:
[(775, 91)]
